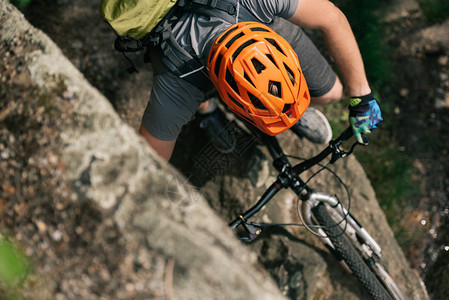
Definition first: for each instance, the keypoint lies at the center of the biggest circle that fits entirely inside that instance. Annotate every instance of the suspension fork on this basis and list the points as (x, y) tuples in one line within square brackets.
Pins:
[(310, 200)]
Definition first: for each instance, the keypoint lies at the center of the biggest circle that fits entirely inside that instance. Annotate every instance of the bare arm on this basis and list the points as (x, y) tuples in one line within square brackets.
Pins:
[(340, 41)]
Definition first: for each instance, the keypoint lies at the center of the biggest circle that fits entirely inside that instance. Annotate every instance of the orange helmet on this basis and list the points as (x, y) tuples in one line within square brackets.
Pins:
[(258, 76)]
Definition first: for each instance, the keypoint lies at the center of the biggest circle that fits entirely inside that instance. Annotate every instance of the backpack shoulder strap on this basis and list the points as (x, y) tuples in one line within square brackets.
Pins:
[(173, 57), (225, 9), (177, 60), (194, 72), (225, 6)]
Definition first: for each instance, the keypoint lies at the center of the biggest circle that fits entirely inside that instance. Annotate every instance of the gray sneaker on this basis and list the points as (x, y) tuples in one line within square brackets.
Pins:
[(314, 126)]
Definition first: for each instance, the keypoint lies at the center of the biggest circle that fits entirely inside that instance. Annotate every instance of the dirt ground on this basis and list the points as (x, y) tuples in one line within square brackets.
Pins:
[(421, 108)]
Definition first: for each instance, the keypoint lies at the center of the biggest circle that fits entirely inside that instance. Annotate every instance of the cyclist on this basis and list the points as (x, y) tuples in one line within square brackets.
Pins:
[(174, 101)]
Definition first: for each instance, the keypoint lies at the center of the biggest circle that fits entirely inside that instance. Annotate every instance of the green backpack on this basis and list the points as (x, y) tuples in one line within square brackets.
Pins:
[(134, 18)]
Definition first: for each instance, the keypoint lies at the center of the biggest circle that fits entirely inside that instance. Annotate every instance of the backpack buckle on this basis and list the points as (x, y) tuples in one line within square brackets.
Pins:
[(151, 40), (232, 10), (213, 3), (120, 44)]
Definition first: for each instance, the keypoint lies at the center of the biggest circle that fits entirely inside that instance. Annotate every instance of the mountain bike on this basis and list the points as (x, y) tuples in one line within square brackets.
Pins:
[(325, 216)]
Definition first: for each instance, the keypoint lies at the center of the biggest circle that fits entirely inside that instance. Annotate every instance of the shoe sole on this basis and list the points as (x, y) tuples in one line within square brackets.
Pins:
[(324, 122)]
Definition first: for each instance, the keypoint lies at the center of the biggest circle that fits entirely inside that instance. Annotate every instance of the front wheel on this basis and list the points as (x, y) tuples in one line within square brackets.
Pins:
[(344, 250)]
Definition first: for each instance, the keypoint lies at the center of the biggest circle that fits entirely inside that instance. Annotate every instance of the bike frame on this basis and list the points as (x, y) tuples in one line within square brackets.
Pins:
[(289, 175)]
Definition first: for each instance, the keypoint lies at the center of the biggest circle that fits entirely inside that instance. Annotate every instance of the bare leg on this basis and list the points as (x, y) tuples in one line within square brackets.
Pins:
[(163, 148), (204, 106)]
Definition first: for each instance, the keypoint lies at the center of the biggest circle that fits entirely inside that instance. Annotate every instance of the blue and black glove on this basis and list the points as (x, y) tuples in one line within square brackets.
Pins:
[(364, 116)]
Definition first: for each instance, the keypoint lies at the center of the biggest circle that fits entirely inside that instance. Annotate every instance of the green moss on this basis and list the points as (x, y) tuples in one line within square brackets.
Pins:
[(390, 172), (21, 3), (14, 269), (435, 11), (370, 32)]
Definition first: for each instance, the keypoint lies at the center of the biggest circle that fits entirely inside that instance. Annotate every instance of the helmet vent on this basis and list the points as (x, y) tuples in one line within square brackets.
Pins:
[(274, 88), (212, 53), (230, 80), (272, 59), (235, 101), (286, 108), (258, 65), (256, 102), (290, 73), (259, 29), (236, 37), (276, 45), (249, 79), (243, 46), (226, 34), (218, 64)]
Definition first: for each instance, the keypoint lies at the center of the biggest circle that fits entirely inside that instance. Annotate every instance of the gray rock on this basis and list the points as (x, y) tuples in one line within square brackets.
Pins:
[(140, 244)]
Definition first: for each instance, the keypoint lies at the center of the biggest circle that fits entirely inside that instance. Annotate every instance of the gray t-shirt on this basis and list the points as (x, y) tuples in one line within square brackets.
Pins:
[(195, 33)]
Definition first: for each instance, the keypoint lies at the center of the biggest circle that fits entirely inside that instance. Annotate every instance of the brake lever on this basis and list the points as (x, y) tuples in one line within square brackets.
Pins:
[(338, 153), (252, 230)]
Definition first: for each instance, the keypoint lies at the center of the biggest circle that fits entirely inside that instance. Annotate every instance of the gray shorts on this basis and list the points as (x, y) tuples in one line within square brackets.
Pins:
[(173, 102)]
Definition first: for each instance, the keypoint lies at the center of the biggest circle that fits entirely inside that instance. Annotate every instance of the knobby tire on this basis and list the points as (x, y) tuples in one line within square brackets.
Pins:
[(346, 251)]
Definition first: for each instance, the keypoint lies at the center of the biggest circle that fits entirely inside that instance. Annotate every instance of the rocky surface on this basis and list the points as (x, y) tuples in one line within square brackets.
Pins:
[(420, 51), (111, 219), (89, 201)]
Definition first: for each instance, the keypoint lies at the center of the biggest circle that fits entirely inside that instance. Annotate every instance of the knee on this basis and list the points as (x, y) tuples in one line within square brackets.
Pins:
[(330, 97), (162, 148)]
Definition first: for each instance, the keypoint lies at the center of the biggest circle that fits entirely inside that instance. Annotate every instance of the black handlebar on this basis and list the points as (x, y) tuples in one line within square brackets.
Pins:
[(266, 197), (344, 136), (333, 149)]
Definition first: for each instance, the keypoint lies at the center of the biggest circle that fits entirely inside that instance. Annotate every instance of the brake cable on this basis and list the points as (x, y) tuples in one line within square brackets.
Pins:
[(337, 153), (308, 227)]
